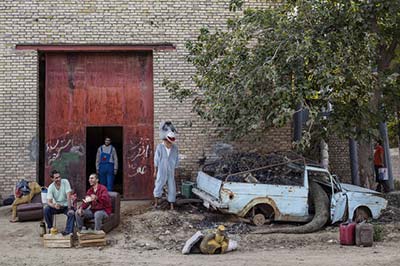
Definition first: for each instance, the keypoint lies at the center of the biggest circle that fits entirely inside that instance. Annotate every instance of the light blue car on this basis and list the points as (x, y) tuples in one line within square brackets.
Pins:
[(286, 197)]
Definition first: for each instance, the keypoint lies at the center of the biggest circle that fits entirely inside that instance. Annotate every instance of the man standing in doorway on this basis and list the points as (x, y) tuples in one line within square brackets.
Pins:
[(107, 164)]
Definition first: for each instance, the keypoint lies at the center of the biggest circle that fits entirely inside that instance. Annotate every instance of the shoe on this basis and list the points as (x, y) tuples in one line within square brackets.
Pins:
[(98, 232), (65, 233), (87, 231)]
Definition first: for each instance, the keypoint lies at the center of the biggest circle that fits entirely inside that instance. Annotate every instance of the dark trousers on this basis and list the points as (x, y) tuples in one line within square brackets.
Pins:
[(48, 216)]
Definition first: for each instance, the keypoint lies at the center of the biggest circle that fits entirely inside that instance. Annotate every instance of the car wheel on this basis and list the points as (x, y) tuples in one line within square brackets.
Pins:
[(361, 214), (258, 219)]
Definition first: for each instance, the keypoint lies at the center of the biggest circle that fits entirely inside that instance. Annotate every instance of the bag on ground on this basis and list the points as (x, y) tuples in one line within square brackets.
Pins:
[(383, 174)]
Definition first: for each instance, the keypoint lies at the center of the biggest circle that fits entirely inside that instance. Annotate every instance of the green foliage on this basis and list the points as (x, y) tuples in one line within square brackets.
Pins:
[(254, 74), (378, 232), (393, 132), (235, 5)]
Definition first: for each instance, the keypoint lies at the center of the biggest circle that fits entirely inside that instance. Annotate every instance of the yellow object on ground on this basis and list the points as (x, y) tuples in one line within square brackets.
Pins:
[(53, 231), (215, 243)]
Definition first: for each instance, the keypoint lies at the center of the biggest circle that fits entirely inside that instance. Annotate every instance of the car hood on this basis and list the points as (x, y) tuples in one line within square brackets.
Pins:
[(353, 188)]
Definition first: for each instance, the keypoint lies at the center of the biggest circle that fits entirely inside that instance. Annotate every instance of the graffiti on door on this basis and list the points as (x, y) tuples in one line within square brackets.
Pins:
[(137, 157), (65, 154)]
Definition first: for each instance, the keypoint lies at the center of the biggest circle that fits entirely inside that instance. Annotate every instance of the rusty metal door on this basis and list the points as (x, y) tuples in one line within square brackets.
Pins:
[(100, 89)]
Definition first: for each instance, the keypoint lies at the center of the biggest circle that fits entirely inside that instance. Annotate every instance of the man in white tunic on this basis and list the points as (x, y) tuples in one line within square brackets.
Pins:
[(165, 162)]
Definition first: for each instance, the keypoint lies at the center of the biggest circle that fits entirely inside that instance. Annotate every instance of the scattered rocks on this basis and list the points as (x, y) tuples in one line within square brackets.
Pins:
[(390, 214), (393, 199)]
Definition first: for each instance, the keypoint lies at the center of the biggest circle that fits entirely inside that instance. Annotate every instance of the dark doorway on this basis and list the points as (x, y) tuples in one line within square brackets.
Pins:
[(42, 101), (94, 138)]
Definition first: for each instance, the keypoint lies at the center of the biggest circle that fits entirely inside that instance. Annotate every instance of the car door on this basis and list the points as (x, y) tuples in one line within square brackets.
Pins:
[(338, 201)]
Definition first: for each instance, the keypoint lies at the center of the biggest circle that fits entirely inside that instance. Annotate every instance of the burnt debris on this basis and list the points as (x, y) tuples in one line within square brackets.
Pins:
[(275, 168)]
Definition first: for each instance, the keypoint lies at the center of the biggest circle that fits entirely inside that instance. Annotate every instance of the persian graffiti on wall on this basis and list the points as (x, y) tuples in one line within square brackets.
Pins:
[(63, 148), (65, 154), (138, 157)]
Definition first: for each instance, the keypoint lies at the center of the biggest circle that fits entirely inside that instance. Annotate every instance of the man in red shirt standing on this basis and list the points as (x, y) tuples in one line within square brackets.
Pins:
[(379, 162), (100, 204)]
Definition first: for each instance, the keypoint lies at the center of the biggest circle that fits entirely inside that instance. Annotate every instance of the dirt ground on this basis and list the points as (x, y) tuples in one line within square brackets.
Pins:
[(156, 237)]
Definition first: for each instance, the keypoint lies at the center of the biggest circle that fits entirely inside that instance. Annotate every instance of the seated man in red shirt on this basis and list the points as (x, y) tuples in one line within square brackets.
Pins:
[(98, 200)]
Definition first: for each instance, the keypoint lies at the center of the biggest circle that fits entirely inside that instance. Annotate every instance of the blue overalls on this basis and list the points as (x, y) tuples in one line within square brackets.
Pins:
[(106, 169)]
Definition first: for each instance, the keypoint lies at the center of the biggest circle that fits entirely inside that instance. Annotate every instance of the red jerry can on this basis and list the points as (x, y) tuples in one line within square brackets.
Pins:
[(347, 233)]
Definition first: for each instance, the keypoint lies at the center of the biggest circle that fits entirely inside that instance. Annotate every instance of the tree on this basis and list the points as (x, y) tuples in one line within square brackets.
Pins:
[(316, 54)]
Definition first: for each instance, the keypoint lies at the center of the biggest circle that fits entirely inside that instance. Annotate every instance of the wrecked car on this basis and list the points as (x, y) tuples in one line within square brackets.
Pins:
[(284, 192)]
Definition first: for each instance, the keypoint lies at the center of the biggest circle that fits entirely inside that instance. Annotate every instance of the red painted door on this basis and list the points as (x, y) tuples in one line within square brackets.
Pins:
[(100, 89)]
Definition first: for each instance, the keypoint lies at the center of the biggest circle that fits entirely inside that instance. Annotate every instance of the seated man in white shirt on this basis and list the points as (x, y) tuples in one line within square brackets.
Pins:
[(58, 201)]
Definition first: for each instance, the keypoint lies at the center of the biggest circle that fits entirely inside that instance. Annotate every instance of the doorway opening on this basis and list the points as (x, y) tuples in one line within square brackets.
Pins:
[(42, 100), (94, 139)]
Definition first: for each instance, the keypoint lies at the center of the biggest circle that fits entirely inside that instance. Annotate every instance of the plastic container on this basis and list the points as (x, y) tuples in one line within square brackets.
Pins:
[(364, 234), (44, 195), (347, 233), (187, 189)]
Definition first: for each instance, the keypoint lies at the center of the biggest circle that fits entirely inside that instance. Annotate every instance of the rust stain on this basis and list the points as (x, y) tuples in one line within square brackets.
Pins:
[(260, 200), (71, 63), (228, 192)]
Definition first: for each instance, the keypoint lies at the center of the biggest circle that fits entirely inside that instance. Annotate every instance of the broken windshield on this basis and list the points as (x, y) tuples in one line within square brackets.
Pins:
[(322, 178)]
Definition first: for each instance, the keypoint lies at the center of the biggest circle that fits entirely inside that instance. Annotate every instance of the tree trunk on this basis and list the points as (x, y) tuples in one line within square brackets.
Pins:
[(324, 154), (320, 200), (398, 128), (366, 165)]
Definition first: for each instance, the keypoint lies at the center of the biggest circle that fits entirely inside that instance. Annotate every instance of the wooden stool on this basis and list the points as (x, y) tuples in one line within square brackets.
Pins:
[(57, 241), (91, 239)]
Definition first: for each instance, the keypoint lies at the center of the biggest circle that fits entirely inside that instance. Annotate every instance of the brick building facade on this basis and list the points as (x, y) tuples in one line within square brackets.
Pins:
[(113, 22)]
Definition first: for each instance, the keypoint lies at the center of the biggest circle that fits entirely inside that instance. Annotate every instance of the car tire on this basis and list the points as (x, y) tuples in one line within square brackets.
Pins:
[(361, 214)]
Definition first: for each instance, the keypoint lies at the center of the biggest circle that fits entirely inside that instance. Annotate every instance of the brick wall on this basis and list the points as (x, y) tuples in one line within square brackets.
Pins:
[(102, 22), (339, 158), (394, 154)]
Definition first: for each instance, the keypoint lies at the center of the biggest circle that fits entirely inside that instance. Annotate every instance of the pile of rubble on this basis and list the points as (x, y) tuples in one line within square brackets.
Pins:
[(390, 214), (169, 230), (393, 198)]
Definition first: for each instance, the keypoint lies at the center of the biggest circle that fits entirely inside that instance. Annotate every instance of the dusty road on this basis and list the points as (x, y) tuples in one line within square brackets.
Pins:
[(147, 237)]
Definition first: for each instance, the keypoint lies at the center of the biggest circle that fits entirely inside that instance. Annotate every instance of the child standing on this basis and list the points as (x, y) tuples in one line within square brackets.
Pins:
[(165, 162)]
